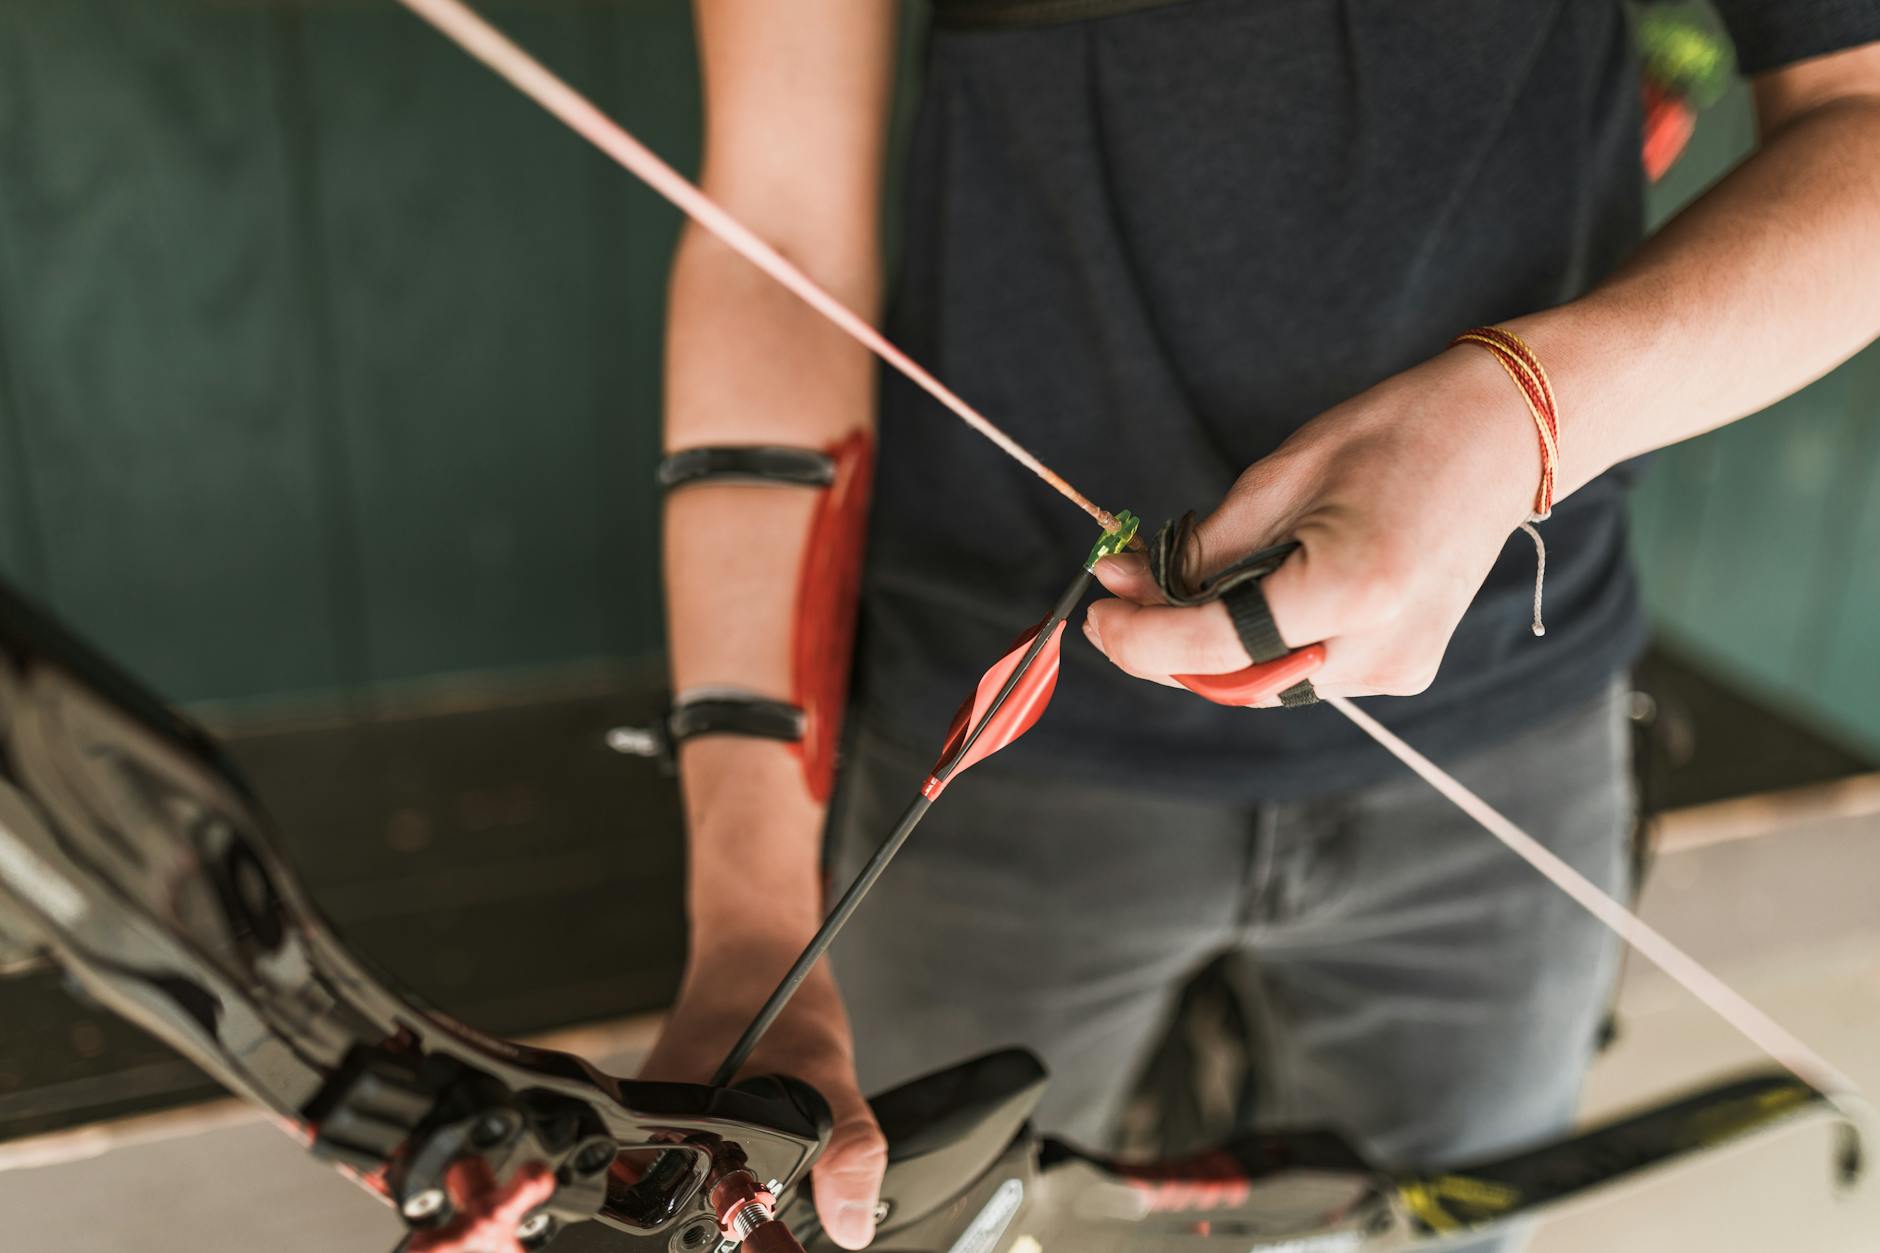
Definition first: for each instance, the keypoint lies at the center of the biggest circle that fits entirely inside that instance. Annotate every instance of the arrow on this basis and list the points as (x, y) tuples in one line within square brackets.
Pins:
[(1009, 700)]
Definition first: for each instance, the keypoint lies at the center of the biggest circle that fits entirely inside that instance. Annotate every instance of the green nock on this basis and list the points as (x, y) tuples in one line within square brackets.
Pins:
[(1684, 57), (1112, 542)]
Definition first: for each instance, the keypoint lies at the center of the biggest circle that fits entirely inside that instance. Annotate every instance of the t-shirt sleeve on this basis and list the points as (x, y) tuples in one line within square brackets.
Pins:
[(1772, 33)]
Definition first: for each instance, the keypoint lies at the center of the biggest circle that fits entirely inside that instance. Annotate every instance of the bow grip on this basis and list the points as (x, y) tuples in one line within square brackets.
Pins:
[(1259, 682)]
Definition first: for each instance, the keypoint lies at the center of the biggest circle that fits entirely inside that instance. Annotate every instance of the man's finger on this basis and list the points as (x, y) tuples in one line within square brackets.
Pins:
[(1256, 511), (1160, 640)]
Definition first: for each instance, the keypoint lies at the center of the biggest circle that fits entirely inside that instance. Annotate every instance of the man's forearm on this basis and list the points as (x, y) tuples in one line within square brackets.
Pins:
[(795, 132), (748, 364), (1765, 283)]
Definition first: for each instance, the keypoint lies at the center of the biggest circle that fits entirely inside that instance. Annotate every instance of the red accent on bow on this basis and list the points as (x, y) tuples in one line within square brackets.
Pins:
[(487, 1213)]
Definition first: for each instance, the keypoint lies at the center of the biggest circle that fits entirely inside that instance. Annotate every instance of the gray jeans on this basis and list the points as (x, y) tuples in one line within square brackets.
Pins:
[(1414, 984)]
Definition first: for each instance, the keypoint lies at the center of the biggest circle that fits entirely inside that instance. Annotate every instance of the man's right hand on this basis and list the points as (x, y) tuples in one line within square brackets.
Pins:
[(810, 1041)]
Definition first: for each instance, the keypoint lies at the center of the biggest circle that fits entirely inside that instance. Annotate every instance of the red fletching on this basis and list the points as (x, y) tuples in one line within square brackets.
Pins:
[(1022, 708), (1669, 124)]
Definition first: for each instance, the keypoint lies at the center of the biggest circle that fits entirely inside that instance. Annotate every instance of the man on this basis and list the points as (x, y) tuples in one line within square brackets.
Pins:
[(1209, 254)]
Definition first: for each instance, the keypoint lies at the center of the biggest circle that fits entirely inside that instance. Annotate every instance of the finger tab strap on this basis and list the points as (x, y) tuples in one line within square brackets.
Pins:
[(1253, 622), (1259, 635)]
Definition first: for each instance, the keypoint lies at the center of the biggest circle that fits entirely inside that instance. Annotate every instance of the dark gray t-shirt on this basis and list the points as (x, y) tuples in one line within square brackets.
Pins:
[(1153, 244)]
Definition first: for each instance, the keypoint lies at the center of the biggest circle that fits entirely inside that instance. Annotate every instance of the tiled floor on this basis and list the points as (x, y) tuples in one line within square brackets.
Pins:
[(1792, 919)]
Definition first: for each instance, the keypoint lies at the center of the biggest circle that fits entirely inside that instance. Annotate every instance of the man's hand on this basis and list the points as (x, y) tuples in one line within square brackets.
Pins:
[(1401, 499), (809, 1041)]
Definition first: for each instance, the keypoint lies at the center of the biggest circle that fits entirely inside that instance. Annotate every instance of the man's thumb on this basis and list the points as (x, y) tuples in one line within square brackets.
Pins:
[(1127, 575), (848, 1175)]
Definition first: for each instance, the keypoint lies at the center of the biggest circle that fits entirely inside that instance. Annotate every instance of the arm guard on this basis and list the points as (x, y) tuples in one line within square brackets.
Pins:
[(822, 633)]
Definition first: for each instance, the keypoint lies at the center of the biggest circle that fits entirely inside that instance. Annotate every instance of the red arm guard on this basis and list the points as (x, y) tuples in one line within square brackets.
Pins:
[(827, 592)]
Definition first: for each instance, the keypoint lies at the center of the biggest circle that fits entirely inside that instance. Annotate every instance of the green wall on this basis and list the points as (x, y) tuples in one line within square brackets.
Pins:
[(327, 361)]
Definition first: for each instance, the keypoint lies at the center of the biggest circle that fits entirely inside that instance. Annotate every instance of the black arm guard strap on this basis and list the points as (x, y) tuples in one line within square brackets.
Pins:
[(756, 463), (725, 712), (711, 711)]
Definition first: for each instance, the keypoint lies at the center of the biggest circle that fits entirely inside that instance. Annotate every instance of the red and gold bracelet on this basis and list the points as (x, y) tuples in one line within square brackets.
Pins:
[(1525, 369)]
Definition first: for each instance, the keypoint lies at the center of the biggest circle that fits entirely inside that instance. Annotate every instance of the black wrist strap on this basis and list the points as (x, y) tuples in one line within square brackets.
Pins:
[(756, 463)]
